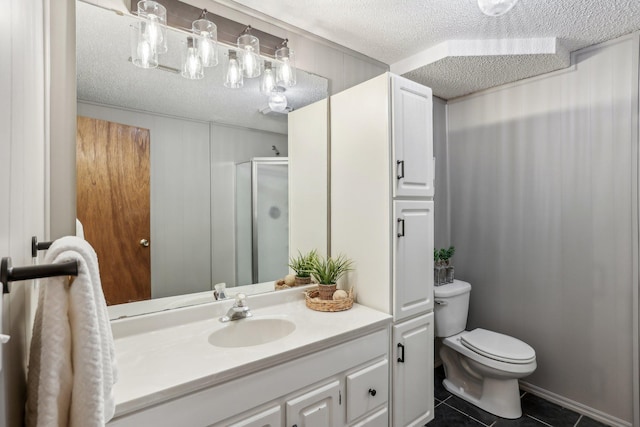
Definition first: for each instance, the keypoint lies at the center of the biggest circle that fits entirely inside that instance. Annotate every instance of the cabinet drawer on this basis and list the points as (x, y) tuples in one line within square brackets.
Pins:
[(271, 417), (367, 389), (379, 419)]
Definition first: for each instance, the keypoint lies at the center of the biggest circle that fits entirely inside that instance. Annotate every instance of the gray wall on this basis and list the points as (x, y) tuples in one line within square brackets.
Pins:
[(543, 198)]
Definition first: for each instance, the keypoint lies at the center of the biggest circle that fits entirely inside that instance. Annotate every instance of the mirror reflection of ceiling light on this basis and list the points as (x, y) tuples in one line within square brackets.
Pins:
[(268, 82), (496, 7), (207, 41), (286, 69), (192, 67), (155, 30), (249, 47), (233, 76), (143, 54), (277, 100)]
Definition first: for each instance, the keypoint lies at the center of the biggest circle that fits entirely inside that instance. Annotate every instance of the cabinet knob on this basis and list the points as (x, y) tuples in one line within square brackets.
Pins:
[(372, 391), (144, 243)]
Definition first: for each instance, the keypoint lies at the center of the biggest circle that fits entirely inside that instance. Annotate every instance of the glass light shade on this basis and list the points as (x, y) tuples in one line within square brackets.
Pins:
[(233, 76), (207, 41), (143, 54), (250, 55), (268, 82), (286, 70), (277, 101), (191, 61), (496, 7), (155, 16)]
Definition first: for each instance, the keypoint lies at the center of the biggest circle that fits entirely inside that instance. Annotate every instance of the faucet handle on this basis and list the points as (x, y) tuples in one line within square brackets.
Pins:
[(241, 300)]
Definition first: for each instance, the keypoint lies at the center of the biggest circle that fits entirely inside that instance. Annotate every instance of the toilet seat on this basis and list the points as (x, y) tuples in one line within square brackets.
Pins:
[(496, 346)]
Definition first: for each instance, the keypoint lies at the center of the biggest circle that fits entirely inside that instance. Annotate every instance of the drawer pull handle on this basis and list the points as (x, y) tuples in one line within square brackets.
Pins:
[(401, 358), (372, 391)]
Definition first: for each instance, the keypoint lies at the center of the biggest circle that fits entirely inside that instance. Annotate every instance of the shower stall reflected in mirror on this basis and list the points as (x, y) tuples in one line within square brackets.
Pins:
[(262, 220)]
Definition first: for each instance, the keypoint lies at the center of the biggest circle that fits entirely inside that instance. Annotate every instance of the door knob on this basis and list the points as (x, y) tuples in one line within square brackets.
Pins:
[(144, 243)]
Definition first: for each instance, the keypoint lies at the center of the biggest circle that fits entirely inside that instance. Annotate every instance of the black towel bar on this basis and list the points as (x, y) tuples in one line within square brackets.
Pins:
[(38, 246), (14, 274)]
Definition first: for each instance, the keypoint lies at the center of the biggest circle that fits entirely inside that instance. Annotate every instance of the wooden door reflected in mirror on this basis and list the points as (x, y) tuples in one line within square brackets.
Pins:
[(113, 184)]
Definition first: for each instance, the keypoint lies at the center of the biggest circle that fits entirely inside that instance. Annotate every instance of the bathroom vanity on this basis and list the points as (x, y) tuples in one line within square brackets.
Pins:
[(286, 365)]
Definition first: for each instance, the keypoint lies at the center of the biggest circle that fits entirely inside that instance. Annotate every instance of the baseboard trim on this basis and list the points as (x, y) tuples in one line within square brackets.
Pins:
[(574, 406)]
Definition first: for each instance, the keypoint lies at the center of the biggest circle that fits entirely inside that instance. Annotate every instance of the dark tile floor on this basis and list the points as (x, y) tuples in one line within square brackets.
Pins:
[(451, 411)]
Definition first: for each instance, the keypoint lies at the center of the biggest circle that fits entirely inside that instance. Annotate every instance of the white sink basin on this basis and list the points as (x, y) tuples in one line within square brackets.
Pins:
[(251, 331)]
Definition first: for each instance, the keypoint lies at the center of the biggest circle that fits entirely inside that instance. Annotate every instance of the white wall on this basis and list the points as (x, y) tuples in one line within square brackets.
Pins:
[(442, 229), (543, 194), (22, 179)]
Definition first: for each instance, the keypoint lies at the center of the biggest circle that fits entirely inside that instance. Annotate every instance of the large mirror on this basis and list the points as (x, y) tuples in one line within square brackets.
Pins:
[(196, 148)]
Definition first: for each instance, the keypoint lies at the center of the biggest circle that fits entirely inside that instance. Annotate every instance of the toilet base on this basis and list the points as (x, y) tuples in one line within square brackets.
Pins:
[(498, 397), (496, 392)]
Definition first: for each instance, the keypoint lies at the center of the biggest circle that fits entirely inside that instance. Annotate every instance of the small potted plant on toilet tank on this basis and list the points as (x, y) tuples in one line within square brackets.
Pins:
[(327, 271), (447, 265)]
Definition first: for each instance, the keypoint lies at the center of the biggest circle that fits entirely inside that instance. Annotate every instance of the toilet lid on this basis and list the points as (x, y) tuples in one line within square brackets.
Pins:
[(498, 346)]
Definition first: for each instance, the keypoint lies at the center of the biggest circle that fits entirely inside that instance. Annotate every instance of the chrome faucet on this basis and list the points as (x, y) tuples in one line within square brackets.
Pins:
[(239, 309)]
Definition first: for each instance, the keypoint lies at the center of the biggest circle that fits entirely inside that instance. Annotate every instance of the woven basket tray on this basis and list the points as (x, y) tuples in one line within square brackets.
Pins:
[(315, 303)]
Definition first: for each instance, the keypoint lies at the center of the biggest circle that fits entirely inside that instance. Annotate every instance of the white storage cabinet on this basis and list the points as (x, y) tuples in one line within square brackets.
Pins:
[(382, 217)]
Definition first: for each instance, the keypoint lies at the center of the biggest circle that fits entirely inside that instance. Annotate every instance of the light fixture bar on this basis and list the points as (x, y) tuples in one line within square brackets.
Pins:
[(181, 15), (163, 68)]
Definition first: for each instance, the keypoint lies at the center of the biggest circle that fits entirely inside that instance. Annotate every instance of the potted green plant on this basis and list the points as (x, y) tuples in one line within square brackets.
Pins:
[(303, 265), (437, 267), (448, 270), (327, 271)]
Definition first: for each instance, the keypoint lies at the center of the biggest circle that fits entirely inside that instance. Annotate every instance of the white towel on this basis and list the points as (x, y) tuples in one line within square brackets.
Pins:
[(72, 362)]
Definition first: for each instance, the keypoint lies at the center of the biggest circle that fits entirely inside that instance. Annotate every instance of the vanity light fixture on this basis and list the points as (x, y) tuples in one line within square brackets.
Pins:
[(277, 100), (155, 30), (268, 82), (207, 41), (143, 54), (233, 76), (286, 69), (496, 7), (249, 47), (192, 64)]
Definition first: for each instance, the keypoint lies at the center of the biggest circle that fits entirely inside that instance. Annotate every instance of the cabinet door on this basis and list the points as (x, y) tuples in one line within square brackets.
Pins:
[(271, 417), (413, 372), (412, 130), (317, 408), (413, 258)]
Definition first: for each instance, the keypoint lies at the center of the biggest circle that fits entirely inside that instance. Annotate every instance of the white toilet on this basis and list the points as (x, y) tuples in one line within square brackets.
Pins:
[(481, 367)]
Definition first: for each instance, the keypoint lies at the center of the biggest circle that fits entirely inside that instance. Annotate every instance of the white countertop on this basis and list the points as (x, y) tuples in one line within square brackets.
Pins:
[(165, 355)]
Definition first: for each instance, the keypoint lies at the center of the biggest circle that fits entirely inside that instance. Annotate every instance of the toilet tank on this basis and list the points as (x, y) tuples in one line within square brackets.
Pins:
[(451, 307)]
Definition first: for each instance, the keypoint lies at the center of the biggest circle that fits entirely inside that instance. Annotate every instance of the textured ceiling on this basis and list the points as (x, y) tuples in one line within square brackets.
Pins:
[(392, 31), (105, 76)]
